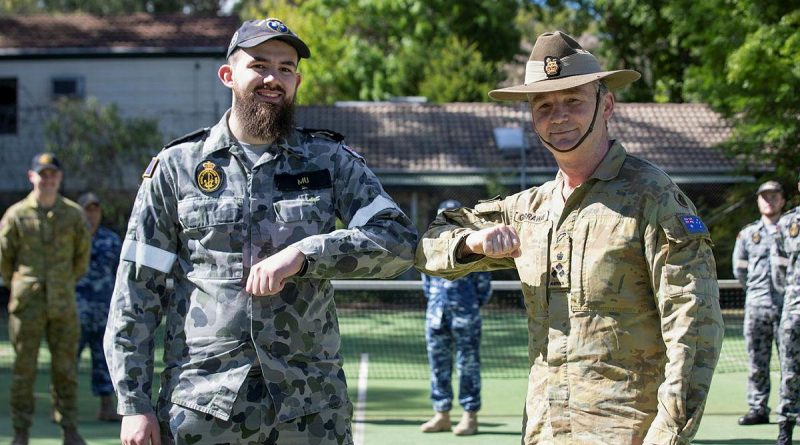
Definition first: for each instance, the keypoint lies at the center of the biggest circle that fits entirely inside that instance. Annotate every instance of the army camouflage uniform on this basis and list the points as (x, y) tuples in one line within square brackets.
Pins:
[(453, 319), (263, 369), (622, 299), (43, 252), (789, 333), (754, 254), (94, 296)]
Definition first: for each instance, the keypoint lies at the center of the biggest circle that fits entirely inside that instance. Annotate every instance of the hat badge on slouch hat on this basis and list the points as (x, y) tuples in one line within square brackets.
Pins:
[(558, 62)]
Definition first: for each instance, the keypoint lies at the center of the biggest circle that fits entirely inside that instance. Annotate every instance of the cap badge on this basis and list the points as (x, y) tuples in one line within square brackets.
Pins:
[(756, 237), (45, 159), (794, 229), (277, 26), (209, 177), (552, 66)]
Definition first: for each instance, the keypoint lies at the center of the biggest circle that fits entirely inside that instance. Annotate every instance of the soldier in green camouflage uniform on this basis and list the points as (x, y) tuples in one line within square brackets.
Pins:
[(242, 218), (617, 271), (44, 250)]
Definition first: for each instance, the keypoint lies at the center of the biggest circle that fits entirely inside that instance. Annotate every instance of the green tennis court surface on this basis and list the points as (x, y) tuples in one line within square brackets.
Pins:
[(390, 328)]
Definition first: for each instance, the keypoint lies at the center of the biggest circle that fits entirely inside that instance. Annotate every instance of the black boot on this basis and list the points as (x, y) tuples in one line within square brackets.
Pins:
[(754, 417), (785, 428)]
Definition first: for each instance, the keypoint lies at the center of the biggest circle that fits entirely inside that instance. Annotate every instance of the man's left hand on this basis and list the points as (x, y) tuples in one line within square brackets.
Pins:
[(268, 276)]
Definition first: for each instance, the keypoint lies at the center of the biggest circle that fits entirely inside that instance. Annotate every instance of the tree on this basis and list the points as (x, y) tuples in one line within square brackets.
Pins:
[(98, 146), (376, 49)]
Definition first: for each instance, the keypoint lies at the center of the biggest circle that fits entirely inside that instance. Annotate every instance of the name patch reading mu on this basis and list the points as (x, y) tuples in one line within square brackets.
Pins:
[(314, 180), (693, 224)]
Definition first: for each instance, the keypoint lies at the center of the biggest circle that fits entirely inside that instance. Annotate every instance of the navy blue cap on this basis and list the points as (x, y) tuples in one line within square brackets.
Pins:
[(43, 161), (256, 32)]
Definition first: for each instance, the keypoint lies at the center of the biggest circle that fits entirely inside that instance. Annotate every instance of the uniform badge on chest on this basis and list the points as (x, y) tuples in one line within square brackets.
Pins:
[(794, 229), (209, 176), (756, 237)]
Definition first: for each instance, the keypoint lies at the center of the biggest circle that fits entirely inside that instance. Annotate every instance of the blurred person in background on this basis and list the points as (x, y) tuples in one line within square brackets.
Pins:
[(44, 250), (453, 324), (789, 332), (755, 265), (93, 293)]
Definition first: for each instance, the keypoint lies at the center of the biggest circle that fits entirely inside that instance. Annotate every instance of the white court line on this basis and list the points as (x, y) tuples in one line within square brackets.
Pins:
[(361, 401)]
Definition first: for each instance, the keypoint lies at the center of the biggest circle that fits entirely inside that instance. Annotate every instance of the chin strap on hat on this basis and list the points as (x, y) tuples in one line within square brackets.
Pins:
[(588, 131)]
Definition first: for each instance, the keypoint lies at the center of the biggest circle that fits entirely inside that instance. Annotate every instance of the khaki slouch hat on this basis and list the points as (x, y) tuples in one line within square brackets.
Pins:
[(558, 62)]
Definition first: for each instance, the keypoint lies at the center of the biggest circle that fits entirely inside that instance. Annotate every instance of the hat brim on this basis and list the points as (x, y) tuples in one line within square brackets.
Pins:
[(614, 80), (302, 50)]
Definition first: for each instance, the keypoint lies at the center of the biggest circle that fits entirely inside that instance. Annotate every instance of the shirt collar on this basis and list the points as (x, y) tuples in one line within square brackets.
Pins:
[(611, 164)]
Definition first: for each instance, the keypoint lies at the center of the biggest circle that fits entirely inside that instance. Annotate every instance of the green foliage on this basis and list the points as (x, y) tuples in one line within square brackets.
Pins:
[(98, 146), (375, 49)]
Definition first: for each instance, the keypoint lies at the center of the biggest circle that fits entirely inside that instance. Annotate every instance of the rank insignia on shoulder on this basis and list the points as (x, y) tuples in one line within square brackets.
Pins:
[(756, 237), (151, 168), (693, 224), (209, 176), (794, 229)]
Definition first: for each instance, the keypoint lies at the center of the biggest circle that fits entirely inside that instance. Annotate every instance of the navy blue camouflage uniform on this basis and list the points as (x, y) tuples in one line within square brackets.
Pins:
[(756, 265), (789, 351), (93, 293), (453, 321)]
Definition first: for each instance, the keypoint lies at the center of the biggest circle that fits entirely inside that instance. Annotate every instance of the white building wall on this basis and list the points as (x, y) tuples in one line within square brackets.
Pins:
[(183, 94)]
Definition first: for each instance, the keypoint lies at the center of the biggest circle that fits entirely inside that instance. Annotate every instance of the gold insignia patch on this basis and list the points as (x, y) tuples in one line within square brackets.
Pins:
[(209, 178), (794, 229), (756, 237), (45, 159), (552, 66)]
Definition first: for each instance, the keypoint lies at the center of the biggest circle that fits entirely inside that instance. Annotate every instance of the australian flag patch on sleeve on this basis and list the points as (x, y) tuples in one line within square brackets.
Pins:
[(693, 224)]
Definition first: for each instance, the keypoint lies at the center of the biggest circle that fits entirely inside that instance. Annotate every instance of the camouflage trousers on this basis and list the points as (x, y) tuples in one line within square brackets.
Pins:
[(253, 422), (464, 335), (789, 406), (93, 316), (761, 329), (27, 326)]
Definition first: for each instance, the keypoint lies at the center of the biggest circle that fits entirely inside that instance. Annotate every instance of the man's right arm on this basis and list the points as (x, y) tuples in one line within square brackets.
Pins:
[(8, 248), (740, 259), (466, 240), (148, 254)]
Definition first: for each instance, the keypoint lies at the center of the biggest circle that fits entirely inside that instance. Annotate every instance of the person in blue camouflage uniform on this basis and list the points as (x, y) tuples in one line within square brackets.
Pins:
[(453, 322), (241, 218), (93, 293), (789, 332), (755, 264)]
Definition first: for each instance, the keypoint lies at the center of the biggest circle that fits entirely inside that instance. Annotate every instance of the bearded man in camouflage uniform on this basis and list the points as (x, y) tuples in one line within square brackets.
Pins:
[(44, 249), (789, 332), (242, 218), (756, 264), (617, 270)]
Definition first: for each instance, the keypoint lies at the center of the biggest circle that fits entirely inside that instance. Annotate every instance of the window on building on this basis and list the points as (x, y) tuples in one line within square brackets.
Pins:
[(69, 87), (8, 106)]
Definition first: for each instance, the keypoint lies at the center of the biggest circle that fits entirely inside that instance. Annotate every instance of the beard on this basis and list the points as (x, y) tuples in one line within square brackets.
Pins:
[(264, 121)]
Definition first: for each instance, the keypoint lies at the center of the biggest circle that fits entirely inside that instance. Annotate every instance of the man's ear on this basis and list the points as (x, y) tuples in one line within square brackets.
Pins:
[(225, 74), (608, 105)]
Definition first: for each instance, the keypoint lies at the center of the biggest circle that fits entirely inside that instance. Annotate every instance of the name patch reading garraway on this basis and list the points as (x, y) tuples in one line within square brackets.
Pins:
[(314, 180)]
